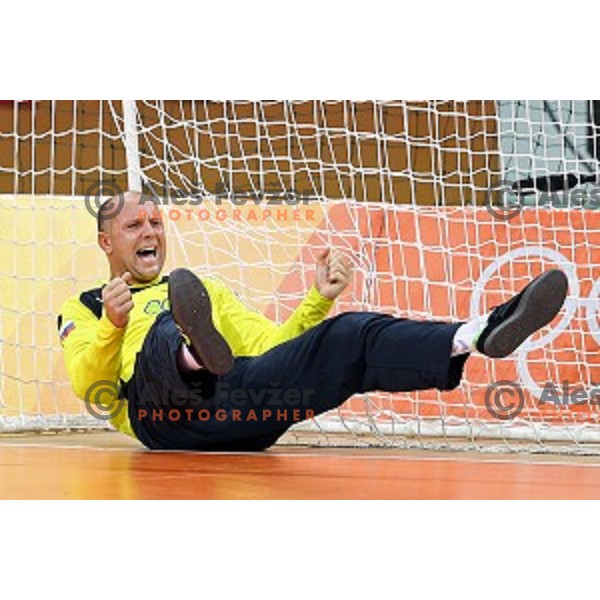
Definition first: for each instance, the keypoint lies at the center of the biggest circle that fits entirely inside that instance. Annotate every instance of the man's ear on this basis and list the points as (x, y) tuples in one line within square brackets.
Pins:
[(104, 242)]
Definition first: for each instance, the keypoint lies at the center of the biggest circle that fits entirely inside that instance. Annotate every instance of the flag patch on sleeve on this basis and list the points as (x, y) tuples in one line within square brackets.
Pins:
[(66, 330)]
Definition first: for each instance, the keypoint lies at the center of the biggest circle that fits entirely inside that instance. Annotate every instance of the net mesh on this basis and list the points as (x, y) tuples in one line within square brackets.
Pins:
[(257, 188)]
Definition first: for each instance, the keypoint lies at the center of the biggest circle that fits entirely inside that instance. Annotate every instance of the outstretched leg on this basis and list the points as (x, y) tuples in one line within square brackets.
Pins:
[(317, 371), (249, 407), (361, 352)]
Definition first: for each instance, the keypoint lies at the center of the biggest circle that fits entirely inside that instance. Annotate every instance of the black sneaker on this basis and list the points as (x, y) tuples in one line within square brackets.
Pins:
[(192, 310), (511, 323)]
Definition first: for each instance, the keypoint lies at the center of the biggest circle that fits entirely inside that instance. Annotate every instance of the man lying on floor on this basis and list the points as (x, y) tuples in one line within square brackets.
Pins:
[(199, 371)]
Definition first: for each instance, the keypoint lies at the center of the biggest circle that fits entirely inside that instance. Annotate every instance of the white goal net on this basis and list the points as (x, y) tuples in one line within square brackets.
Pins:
[(444, 208)]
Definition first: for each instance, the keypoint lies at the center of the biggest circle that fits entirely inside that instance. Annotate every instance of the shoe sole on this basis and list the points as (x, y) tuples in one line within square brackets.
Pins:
[(192, 310), (539, 304)]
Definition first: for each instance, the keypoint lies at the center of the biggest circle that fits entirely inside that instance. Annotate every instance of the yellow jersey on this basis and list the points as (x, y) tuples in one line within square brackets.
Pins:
[(95, 350)]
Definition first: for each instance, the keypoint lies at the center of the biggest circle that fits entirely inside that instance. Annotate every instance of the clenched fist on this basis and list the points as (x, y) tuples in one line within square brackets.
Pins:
[(116, 297), (333, 273)]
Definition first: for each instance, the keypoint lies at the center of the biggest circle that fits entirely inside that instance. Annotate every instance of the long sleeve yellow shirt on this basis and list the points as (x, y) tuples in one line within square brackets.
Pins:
[(95, 350)]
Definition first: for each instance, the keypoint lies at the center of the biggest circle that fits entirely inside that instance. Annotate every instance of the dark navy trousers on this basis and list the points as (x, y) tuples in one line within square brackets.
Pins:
[(250, 407)]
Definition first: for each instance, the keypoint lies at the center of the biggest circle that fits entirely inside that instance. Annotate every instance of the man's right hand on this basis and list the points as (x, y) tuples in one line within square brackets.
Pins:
[(117, 300)]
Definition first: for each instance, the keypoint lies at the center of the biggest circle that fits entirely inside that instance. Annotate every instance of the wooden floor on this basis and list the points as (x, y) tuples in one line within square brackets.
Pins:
[(108, 465)]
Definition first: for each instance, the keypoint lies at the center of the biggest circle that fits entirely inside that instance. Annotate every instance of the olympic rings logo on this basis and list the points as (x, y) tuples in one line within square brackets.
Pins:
[(573, 302)]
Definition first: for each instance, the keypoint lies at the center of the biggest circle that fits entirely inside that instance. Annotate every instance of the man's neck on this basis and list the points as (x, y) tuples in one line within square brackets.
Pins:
[(140, 284)]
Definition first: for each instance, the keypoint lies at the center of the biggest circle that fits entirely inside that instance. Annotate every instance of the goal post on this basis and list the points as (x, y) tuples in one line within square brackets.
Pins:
[(417, 194)]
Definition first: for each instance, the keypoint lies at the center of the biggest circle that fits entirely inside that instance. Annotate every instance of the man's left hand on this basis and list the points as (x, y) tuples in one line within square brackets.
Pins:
[(333, 273)]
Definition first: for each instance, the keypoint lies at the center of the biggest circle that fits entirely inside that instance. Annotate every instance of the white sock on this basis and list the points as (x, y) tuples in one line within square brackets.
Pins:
[(186, 361), (466, 335)]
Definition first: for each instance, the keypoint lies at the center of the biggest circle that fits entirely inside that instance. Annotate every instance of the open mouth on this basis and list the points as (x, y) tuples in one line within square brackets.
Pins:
[(147, 253)]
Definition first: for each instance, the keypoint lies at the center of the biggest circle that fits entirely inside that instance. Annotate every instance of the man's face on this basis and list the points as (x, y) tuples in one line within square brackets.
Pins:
[(134, 240)]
